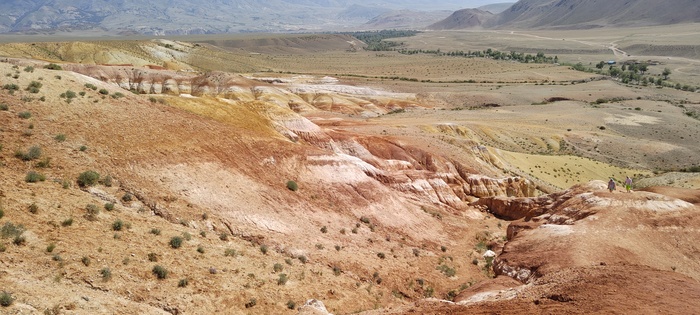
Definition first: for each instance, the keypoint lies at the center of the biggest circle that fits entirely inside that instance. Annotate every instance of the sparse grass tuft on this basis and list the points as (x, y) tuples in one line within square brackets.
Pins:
[(282, 280), (160, 272), (183, 283), (263, 249), (24, 115), (118, 225), (6, 299), (106, 274), (176, 242), (33, 177), (91, 212)]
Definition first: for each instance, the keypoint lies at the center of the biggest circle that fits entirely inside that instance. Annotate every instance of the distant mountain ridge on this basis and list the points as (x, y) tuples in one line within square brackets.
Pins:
[(160, 17), (576, 14)]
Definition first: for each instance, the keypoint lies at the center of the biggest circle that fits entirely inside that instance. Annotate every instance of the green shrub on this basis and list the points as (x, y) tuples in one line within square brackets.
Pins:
[(118, 225), (83, 148), (230, 252), (263, 249), (28, 69), (160, 272), (155, 231), (85, 260), (67, 222), (33, 154), (19, 240), (282, 280), (252, 302), (34, 208), (6, 299), (2, 213), (176, 242), (183, 283), (117, 95), (33, 177), (34, 87), (109, 206), (291, 305), (88, 178), (106, 274), (91, 86), (200, 249), (127, 197), (292, 185), (53, 66), (24, 115), (4, 106), (92, 211), (10, 230), (104, 91), (70, 94), (107, 181), (44, 163), (152, 257), (278, 267)]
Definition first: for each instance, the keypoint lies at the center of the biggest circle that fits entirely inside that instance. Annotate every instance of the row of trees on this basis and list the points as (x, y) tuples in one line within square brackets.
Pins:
[(375, 40), (540, 57), (635, 73)]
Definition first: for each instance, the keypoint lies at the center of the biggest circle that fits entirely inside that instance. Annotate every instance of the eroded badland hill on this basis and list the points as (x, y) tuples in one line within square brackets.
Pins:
[(156, 177)]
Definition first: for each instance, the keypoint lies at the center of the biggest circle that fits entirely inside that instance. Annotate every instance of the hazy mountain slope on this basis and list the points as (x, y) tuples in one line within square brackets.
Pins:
[(405, 19), (467, 18), (581, 14), (597, 13), (496, 7), (195, 17)]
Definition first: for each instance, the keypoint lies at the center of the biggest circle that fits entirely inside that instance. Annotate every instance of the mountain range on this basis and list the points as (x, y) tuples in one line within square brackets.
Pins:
[(160, 17), (180, 17), (575, 14)]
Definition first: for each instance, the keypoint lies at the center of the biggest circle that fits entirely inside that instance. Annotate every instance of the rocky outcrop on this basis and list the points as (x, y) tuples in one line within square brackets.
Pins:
[(514, 208), (313, 307)]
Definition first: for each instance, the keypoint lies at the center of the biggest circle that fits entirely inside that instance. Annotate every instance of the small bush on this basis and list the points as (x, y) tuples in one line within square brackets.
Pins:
[(34, 87), (381, 255), (104, 91), (34, 208), (86, 261), (6, 299), (44, 163), (291, 305), (67, 222), (127, 197), (28, 69), (303, 259), (278, 267), (24, 115), (183, 283), (4, 106), (230, 252), (83, 148), (88, 178), (10, 230), (160, 272), (53, 66), (155, 231), (263, 249), (118, 225), (292, 185), (106, 274), (109, 206), (176, 242), (19, 240), (33, 177), (91, 212), (91, 86), (282, 280), (337, 271), (50, 247), (200, 249), (153, 257), (117, 95), (252, 302)]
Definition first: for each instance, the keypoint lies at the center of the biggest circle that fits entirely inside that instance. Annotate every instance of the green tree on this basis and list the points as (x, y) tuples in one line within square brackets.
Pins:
[(666, 73)]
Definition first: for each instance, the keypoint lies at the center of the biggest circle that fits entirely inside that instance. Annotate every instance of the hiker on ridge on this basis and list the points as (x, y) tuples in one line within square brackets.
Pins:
[(611, 185), (628, 184)]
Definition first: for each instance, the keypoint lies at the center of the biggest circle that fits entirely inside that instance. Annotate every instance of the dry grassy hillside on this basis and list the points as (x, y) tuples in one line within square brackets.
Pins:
[(251, 192)]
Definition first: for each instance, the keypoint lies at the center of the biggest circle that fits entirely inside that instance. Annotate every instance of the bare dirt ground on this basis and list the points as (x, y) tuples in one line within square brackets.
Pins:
[(381, 219)]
